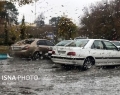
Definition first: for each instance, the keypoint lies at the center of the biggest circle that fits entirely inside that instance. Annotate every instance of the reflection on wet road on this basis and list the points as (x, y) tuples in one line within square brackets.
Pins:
[(55, 81)]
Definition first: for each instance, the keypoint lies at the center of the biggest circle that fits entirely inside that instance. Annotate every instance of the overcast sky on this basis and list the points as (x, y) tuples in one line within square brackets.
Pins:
[(53, 8)]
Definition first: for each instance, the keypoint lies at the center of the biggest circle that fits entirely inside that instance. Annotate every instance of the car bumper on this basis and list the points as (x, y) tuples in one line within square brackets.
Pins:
[(68, 61)]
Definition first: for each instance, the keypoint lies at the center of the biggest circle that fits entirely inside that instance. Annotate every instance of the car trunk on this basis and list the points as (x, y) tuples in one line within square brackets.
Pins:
[(17, 47), (65, 51)]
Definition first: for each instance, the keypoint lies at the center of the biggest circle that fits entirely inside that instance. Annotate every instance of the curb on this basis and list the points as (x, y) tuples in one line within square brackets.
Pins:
[(5, 56)]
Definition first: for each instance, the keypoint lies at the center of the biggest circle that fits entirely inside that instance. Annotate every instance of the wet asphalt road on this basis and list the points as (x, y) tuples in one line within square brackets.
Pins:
[(56, 81)]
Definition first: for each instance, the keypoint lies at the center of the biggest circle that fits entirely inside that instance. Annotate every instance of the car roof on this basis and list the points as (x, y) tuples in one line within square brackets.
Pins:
[(92, 39), (66, 40), (115, 41), (35, 39)]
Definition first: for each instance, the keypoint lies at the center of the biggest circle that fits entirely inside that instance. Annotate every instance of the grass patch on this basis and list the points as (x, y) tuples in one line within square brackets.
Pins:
[(4, 49)]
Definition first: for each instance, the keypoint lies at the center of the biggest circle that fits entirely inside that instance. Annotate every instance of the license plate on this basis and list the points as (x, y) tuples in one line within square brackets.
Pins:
[(61, 52), (16, 48), (49, 51)]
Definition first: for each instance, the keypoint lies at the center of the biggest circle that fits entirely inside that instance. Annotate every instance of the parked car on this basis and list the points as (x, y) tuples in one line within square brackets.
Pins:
[(117, 43), (32, 48), (86, 53), (59, 44)]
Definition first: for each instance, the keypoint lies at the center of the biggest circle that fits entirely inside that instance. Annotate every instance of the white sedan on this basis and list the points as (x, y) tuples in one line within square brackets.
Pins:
[(87, 52)]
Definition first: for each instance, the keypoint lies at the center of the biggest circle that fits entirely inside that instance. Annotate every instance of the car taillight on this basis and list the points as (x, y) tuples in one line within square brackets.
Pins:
[(53, 52), (50, 51), (71, 53), (25, 48)]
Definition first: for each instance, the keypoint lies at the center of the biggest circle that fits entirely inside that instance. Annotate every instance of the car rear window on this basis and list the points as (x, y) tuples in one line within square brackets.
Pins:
[(63, 43), (28, 41), (78, 43)]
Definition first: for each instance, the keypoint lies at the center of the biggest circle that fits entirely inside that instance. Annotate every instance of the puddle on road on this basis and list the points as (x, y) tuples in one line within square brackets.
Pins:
[(56, 81), (17, 91), (4, 65), (26, 91)]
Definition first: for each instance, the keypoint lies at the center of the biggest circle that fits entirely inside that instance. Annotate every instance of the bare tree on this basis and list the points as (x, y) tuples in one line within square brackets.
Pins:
[(102, 20), (40, 20)]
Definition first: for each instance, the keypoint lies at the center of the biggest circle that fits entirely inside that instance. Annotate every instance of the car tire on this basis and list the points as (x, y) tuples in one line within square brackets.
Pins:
[(88, 63), (36, 56), (41, 55)]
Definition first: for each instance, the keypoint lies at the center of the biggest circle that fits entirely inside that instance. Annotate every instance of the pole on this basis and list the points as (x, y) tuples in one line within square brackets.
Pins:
[(35, 9)]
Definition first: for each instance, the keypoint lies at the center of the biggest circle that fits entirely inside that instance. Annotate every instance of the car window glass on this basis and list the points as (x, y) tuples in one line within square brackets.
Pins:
[(41, 42), (93, 46), (28, 41), (63, 43), (49, 43), (97, 45), (72, 44), (110, 46), (20, 42), (116, 43), (78, 43)]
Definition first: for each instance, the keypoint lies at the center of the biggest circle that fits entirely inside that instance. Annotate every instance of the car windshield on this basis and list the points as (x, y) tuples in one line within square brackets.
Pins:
[(78, 43), (63, 43), (20, 42), (116, 43)]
